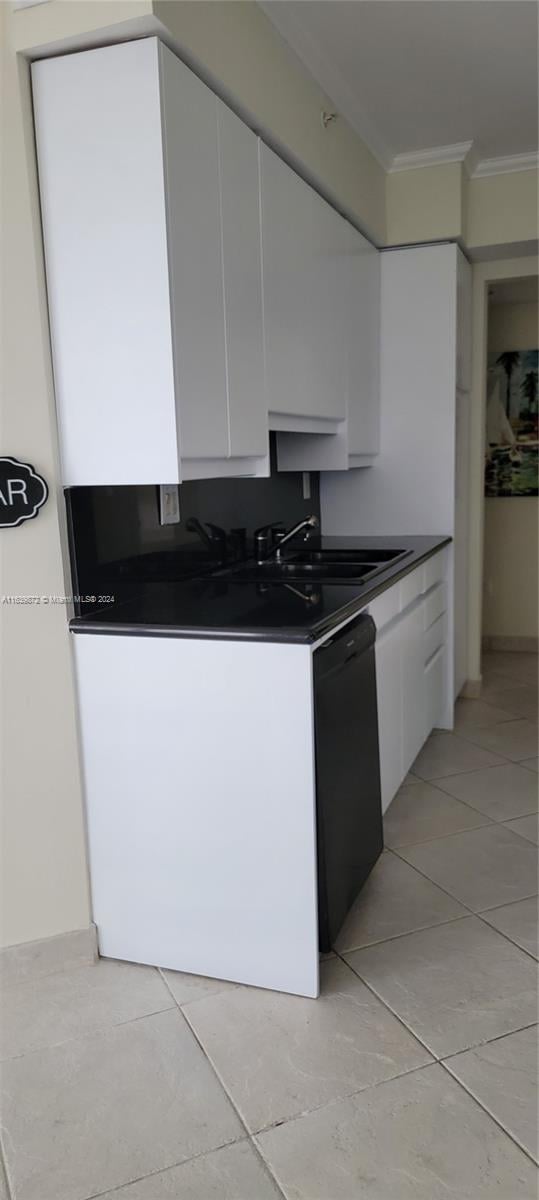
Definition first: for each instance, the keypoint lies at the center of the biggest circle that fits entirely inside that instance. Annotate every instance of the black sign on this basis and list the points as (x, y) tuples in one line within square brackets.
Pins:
[(22, 492)]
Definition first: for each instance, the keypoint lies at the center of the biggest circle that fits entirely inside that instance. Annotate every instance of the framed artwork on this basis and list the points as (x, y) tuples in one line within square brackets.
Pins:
[(511, 460)]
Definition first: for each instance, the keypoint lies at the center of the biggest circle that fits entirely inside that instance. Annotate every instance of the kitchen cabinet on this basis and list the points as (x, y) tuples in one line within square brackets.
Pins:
[(356, 440), (419, 479), (150, 203), (302, 241), (412, 678)]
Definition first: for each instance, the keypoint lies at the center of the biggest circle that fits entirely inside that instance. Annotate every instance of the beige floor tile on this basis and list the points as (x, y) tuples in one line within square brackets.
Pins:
[(518, 922), (455, 986), (4, 1195), (447, 754), (186, 988), (233, 1173), (394, 900), (521, 701), (481, 867), (421, 812), (526, 827), (408, 780), (477, 713), (513, 664), (501, 793), (421, 1137), (512, 739), (503, 1077), (502, 691), (77, 1003), (531, 764), (281, 1055), (96, 1113)]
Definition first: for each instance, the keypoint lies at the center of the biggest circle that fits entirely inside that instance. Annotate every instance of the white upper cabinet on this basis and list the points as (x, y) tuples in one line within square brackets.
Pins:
[(345, 311), (301, 248), (150, 203)]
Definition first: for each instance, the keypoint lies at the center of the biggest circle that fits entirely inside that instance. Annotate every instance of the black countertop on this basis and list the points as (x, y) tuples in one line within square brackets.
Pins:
[(218, 606)]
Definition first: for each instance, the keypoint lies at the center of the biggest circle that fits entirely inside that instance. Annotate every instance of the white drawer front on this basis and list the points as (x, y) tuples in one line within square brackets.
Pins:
[(435, 688), (435, 604), (434, 637), (385, 607), (411, 587), (434, 570)]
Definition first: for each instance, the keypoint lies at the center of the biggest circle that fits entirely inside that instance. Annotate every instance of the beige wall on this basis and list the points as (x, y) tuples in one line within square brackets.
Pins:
[(433, 203), (44, 879), (510, 592)]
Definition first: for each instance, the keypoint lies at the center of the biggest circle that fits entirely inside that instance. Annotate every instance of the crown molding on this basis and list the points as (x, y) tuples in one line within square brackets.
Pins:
[(435, 156), (505, 165)]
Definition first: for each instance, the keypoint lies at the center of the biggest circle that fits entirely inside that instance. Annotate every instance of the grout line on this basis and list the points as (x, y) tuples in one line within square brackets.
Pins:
[(507, 903), (395, 937), (469, 911), (506, 936), (487, 1110), (400, 1019), (369, 1087), (10, 1190), (232, 1102), (98, 1032), (182, 1162), (490, 1041)]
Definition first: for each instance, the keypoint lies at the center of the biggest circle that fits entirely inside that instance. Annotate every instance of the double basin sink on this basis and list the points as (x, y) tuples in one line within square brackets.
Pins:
[(327, 566)]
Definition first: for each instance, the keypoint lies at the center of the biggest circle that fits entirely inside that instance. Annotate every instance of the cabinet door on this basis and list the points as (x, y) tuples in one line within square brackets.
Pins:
[(389, 695), (242, 276), (100, 158), (299, 281), (413, 684), (190, 139), (362, 323)]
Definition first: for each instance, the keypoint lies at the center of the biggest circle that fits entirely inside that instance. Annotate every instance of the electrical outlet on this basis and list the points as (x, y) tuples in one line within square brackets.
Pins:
[(169, 504), (306, 485)]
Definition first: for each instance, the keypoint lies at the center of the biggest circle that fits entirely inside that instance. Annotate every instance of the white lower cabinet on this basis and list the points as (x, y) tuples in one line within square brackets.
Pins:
[(412, 678), (389, 692)]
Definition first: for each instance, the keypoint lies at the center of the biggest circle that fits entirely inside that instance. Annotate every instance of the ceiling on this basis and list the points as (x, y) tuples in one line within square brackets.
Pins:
[(514, 291), (424, 80)]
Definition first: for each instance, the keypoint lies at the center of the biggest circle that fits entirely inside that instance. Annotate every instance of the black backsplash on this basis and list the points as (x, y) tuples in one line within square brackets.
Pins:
[(116, 537)]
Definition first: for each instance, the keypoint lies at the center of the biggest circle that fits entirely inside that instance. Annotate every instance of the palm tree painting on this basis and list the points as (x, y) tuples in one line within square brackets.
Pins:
[(512, 424), (508, 360), (528, 389)]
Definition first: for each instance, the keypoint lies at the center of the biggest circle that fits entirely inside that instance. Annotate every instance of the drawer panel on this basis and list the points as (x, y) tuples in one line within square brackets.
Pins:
[(435, 604), (434, 570), (385, 607), (411, 587), (435, 636), (434, 689)]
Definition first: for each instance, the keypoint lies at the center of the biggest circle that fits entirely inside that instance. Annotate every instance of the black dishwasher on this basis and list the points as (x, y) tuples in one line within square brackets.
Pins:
[(349, 813)]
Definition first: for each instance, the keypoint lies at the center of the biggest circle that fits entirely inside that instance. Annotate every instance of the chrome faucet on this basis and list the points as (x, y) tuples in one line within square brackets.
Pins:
[(308, 523)]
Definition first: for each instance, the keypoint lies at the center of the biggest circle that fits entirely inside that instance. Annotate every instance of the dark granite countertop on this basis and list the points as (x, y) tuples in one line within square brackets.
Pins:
[(219, 606)]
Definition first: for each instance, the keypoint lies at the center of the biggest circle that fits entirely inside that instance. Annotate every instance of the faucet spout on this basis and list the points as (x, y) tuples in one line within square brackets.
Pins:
[(308, 523)]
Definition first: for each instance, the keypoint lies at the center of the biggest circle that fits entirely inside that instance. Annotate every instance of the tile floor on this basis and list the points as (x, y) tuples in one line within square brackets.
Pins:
[(411, 1078)]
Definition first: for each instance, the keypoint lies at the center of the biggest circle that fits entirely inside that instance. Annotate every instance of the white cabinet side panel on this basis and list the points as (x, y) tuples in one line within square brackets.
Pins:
[(195, 254), (199, 773), (242, 272), (98, 131), (362, 318), (410, 487)]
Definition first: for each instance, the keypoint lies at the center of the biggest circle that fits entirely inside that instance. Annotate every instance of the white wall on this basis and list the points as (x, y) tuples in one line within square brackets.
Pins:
[(510, 592)]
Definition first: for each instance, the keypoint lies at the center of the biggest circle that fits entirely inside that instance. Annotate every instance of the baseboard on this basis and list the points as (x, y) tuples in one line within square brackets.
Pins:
[(523, 645), (471, 689), (29, 960)]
